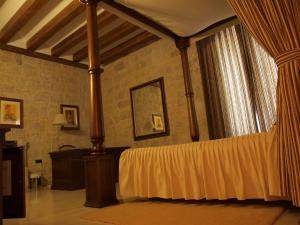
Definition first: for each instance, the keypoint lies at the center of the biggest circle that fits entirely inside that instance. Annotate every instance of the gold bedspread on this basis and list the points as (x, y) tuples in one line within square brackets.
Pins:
[(240, 167)]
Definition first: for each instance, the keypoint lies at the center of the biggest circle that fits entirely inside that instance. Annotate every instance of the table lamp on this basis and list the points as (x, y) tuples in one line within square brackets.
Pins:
[(59, 120)]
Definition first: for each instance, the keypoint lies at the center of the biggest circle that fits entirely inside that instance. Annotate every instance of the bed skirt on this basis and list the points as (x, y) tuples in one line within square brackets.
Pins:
[(240, 167)]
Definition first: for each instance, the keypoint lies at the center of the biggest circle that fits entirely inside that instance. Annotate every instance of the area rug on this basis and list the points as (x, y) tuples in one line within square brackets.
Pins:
[(181, 213)]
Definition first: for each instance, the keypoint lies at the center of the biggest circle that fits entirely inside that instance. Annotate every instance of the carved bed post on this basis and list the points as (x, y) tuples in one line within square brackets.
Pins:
[(96, 121), (99, 168), (182, 44)]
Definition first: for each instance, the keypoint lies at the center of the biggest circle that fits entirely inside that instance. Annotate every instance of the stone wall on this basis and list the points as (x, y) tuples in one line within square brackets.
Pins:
[(160, 59), (44, 86)]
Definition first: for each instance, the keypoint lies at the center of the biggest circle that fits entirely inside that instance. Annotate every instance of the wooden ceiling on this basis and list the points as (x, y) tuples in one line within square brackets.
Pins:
[(55, 30)]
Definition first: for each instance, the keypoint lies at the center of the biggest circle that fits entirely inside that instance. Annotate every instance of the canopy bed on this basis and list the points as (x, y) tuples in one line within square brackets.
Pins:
[(253, 166)]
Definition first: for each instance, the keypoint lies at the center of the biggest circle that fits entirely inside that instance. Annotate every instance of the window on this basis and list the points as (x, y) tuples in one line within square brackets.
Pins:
[(239, 80)]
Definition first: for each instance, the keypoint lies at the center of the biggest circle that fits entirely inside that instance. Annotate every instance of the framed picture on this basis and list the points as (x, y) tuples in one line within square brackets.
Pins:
[(11, 113), (157, 122), (71, 113)]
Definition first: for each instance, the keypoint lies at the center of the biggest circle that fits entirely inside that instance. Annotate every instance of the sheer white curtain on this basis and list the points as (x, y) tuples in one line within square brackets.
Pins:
[(264, 71), (244, 76), (240, 118)]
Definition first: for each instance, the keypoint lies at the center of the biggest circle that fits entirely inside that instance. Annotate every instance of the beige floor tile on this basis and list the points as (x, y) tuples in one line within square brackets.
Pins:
[(54, 207)]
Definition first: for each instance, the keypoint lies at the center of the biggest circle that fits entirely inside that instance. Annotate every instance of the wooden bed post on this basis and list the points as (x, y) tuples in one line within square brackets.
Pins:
[(96, 121), (99, 168), (182, 44)]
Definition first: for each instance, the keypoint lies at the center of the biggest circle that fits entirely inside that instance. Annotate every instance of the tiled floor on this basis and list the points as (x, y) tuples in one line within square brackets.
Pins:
[(65, 207), (54, 207)]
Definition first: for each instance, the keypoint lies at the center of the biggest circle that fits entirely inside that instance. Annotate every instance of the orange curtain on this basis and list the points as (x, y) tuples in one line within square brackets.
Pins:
[(276, 25)]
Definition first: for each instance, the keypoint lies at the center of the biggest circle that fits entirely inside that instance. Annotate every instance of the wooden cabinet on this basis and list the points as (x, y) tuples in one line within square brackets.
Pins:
[(101, 175), (12, 180), (13, 176), (2, 139), (68, 169)]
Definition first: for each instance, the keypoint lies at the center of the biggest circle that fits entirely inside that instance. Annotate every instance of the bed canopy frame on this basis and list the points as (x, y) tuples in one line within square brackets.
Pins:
[(265, 19)]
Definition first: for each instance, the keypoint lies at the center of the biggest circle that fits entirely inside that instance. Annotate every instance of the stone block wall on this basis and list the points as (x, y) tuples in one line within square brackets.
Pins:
[(160, 59), (43, 86)]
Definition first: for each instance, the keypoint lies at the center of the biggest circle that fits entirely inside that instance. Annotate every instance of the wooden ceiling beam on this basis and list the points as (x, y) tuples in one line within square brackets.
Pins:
[(79, 35), (139, 41), (41, 56), (116, 34), (58, 22), (107, 39), (20, 18), (140, 20)]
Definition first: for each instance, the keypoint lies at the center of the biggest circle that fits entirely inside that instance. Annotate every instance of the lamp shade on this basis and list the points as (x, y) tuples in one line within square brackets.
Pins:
[(59, 119)]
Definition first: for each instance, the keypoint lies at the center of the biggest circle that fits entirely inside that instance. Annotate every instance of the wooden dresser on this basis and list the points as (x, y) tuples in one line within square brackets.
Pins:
[(68, 169)]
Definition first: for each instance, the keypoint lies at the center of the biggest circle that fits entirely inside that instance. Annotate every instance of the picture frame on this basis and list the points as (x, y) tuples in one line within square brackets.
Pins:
[(71, 113), (158, 124), (11, 113)]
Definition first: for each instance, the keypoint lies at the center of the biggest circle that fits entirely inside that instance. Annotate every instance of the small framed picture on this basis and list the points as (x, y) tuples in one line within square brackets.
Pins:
[(11, 113), (71, 113), (157, 122)]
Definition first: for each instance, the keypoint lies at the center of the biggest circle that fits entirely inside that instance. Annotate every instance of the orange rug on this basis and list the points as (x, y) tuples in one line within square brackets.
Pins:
[(186, 213)]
